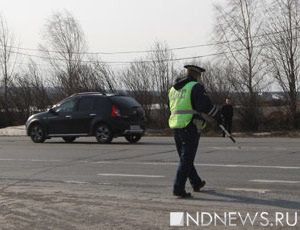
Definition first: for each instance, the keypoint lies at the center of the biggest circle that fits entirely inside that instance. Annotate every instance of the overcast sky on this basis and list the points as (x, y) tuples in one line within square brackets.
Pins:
[(119, 25)]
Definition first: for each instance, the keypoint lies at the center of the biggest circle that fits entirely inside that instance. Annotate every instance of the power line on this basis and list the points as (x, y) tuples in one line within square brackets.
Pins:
[(143, 61), (131, 62), (149, 51)]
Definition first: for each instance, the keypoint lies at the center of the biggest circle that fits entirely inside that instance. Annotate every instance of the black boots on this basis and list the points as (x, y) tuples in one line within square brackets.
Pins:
[(201, 185), (185, 194)]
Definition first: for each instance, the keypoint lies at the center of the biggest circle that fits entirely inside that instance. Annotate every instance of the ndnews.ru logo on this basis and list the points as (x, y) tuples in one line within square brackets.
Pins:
[(177, 219), (234, 219)]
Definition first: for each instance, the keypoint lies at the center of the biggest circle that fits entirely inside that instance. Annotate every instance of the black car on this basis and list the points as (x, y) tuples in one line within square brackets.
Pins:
[(89, 114)]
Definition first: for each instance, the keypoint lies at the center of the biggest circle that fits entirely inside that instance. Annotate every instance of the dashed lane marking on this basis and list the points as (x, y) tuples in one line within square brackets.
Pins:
[(75, 182), (276, 181), (30, 160), (162, 163), (129, 175), (197, 164), (249, 190)]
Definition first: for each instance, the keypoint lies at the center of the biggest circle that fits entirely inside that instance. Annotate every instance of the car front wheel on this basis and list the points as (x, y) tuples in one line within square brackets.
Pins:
[(37, 133), (103, 134)]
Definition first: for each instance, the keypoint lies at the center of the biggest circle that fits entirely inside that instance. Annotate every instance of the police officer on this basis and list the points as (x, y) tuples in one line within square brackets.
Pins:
[(187, 100)]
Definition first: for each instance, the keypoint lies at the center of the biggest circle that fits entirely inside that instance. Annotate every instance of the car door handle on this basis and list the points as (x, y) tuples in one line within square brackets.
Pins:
[(92, 114), (68, 116)]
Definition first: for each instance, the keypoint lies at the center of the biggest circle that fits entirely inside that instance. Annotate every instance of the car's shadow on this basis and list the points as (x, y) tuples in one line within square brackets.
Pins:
[(110, 144)]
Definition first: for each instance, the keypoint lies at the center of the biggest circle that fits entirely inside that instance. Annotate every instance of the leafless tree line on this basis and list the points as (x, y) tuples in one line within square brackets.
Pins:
[(149, 80), (258, 40)]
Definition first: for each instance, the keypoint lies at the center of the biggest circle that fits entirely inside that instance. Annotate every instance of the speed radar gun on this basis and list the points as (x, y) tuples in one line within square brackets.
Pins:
[(227, 133)]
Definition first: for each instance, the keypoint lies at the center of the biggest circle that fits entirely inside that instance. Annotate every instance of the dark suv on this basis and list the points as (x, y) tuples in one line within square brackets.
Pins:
[(89, 114)]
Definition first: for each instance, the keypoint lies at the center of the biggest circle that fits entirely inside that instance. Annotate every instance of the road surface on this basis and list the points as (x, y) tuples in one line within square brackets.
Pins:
[(85, 185)]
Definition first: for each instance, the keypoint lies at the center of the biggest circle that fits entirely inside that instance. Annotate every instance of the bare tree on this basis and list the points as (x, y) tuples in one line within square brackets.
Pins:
[(64, 46), (28, 93), (38, 85), (163, 75), (137, 80), (105, 76), (7, 61), (96, 76), (22, 99), (149, 79), (238, 28), (216, 81), (283, 50)]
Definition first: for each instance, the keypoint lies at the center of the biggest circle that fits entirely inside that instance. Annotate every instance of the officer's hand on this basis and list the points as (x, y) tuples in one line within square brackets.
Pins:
[(200, 124)]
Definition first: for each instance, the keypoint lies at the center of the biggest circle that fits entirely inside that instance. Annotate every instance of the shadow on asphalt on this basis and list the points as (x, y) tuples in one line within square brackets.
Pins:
[(229, 198), (113, 143)]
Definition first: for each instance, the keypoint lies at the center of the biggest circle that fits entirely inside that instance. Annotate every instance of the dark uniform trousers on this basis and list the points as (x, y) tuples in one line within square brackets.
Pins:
[(186, 140)]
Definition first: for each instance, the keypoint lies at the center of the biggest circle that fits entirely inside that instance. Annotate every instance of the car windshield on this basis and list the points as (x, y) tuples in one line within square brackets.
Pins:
[(64, 106), (59, 103)]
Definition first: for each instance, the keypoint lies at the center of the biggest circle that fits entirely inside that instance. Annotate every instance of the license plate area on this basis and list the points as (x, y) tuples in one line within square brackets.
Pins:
[(135, 127)]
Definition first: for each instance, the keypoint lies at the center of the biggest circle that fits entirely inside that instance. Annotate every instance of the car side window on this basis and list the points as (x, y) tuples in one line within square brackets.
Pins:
[(85, 104), (66, 107), (102, 104)]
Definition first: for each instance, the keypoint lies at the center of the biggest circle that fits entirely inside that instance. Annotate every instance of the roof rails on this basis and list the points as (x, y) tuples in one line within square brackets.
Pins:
[(84, 93), (121, 93)]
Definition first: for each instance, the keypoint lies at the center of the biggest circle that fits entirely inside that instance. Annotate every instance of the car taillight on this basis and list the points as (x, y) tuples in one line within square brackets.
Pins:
[(115, 112)]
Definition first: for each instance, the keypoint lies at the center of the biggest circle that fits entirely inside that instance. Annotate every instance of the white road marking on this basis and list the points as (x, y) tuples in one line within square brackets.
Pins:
[(83, 182), (162, 163), (75, 182), (250, 166), (129, 175), (249, 148), (204, 165), (135, 163), (31, 160), (248, 190), (276, 181)]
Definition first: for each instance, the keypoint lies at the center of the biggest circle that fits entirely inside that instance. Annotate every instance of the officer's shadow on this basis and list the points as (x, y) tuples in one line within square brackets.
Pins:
[(231, 198)]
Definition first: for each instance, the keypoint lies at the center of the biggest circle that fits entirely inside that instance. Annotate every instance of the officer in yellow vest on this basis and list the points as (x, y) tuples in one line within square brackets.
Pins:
[(187, 100)]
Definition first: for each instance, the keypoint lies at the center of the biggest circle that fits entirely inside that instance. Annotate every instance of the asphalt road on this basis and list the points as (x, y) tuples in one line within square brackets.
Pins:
[(85, 185)]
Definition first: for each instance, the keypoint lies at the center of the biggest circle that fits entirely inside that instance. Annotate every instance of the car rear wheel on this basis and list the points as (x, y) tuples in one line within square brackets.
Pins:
[(133, 138), (69, 139), (37, 133), (103, 134)]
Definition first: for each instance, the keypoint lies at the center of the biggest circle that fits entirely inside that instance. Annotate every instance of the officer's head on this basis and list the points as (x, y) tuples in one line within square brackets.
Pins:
[(194, 71)]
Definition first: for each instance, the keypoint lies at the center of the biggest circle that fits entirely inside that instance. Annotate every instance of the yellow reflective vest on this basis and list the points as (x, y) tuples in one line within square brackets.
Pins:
[(181, 106)]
